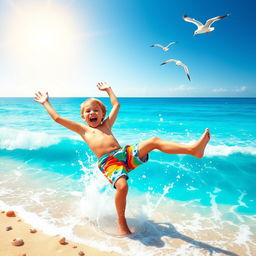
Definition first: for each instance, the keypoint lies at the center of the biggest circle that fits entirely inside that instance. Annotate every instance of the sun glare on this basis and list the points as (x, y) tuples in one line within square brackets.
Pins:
[(39, 32), (41, 39)]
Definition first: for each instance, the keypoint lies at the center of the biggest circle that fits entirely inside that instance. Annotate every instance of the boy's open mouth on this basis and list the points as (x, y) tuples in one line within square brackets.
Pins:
[(93, 119)]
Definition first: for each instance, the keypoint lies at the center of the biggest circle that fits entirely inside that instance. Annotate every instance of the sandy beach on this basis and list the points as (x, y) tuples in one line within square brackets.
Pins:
[(38, 243)]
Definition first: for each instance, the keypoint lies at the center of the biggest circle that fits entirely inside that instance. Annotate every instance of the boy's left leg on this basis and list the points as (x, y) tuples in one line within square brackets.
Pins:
[(120, 202), (170, 147)]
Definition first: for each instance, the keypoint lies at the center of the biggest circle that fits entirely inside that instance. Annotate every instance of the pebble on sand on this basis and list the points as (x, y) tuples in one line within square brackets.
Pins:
[(17, 242), (8, 228), (10, 214), (81, 253), (32, 230), (63, 241)]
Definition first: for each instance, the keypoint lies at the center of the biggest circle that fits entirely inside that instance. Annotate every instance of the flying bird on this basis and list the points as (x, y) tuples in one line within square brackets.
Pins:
[(165, 48), (204, 28), (178, 63)]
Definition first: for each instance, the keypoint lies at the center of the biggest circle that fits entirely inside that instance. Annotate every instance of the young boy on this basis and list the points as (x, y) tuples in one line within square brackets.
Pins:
[(114, 161)]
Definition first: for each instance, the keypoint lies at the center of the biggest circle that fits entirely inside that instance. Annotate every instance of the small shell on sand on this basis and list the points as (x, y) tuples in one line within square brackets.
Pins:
[(8, 228), (32, 230), (63, 241), (74, 246), (10, 214), (17, 242), (81, 253), (22, 254)]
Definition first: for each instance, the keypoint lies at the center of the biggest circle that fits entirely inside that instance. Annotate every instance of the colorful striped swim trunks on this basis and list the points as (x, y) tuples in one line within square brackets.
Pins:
[(120, 162)]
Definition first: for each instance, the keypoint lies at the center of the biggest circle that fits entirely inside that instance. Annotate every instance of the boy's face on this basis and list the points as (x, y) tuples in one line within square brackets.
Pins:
[(93, 114)]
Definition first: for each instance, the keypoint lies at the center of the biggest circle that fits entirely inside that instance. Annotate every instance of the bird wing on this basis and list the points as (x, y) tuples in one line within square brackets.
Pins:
[(168, 61), (210, 21), (171, 43), (157, 45), (188, 19), (186, 70)]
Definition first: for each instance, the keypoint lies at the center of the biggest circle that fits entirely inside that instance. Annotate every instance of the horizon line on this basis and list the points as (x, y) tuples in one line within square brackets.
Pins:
[(247, 97)]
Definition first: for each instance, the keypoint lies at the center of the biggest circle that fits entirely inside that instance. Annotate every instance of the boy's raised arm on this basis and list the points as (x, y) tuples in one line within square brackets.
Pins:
[(103, 86), (44, 100)]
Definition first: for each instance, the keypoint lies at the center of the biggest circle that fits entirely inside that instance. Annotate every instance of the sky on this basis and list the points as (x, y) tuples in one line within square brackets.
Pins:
[(66, 46)]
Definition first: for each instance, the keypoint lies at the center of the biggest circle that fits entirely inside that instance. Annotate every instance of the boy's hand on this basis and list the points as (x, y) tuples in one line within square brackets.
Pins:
[(103, 86), (41, 98)]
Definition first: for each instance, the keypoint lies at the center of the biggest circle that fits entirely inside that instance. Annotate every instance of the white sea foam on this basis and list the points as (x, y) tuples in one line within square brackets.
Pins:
[(23, 139), (224, 150), (243, 235)]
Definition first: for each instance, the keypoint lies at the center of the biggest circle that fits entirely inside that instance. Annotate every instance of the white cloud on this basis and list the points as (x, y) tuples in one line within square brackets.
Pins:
[(181, 88), (217, 90), (236, 90), (241, 89)]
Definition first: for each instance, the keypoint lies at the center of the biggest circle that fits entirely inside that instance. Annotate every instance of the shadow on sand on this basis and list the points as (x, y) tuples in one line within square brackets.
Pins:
[(150, 234)]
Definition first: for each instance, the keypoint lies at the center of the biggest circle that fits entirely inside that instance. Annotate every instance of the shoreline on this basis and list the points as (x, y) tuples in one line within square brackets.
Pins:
[(178, 241), (38, 243)]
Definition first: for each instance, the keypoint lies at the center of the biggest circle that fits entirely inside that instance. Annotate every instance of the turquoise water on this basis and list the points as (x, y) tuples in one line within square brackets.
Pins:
[(42, 162)]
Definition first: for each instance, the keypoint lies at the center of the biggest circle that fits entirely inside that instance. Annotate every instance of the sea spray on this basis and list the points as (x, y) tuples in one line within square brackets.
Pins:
[(151, 206)]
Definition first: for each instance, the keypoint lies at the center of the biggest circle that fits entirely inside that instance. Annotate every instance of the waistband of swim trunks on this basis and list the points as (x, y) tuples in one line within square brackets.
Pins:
[(103, 157)]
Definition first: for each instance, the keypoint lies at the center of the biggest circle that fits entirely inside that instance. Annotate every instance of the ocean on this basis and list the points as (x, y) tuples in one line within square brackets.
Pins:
[(177, 204)]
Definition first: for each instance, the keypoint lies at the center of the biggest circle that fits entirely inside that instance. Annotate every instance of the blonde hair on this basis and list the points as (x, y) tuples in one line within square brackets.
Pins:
[(102, 106)]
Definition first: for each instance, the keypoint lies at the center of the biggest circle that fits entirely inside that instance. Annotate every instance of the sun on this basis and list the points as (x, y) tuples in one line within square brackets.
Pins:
[(42, 42), (40, 30)]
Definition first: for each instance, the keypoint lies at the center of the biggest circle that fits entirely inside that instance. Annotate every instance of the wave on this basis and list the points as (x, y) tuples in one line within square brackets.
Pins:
[(12, 139), (225, 150)]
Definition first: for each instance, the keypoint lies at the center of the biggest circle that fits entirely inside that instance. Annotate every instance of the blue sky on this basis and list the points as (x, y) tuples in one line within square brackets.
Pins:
[(66, 46)]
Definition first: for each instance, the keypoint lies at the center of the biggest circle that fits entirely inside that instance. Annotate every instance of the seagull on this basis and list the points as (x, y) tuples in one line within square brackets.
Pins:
[(204, 28), (165, 48), (178, 63)]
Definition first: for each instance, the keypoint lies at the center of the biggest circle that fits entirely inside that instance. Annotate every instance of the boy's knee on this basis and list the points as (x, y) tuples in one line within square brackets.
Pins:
[(154, 140), (121, 185)]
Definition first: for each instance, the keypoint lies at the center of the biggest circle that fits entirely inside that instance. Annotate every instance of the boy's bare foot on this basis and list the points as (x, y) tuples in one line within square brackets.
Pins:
[(123, 227), (199, 146)]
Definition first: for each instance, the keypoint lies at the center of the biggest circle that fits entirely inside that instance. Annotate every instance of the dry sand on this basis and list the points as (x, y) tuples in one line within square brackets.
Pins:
[(38, 244)]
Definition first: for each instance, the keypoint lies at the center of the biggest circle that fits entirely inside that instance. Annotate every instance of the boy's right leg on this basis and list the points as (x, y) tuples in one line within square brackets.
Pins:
[(170, 147), (120, 202)]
